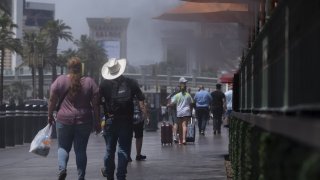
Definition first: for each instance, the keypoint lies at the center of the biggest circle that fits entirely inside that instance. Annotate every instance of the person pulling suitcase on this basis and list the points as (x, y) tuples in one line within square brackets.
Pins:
[(184, 104)]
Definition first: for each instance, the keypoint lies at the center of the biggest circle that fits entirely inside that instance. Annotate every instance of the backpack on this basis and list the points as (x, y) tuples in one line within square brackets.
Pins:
[(121, 96)]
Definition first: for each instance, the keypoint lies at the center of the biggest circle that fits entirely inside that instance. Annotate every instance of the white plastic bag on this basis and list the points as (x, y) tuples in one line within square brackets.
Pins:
[(40, 144)]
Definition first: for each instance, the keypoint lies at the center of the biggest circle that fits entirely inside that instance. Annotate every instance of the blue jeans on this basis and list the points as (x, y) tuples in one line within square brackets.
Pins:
[(202, 116), (78, 135), (119, 131)]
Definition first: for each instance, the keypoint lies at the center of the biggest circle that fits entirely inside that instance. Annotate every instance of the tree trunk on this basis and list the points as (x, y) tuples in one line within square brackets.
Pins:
[(54, 52), (61, 70), (54, 72), (1, 76), (40, 80), (33, 73)]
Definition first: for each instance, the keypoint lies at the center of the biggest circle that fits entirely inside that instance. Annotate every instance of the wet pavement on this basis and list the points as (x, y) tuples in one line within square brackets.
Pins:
[(203, 160)]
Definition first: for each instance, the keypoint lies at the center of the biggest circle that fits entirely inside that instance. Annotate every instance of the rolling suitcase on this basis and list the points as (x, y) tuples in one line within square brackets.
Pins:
[(166, 133), (191, 131)]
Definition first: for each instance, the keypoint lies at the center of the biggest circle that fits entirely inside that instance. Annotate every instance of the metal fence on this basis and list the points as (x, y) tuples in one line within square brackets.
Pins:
[(279, 72)]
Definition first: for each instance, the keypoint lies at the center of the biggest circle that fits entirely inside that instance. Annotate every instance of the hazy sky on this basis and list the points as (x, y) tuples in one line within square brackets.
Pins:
[(143, 32)]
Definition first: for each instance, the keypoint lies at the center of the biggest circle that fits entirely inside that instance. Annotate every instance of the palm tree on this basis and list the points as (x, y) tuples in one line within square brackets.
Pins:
[(7, 42), (41, 52), (64, 56), (29, 47), (93, 55), (54, 31), (35, 48)]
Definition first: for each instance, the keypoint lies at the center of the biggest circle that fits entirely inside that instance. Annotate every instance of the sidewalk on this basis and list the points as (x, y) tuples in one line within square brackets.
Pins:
[(202, 161)]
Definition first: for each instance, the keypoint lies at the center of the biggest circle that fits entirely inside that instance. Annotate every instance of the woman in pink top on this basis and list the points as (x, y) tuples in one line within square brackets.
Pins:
[(79, 100)]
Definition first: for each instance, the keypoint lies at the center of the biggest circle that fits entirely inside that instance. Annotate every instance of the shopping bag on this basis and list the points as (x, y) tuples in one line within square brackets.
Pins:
[(40, 145)]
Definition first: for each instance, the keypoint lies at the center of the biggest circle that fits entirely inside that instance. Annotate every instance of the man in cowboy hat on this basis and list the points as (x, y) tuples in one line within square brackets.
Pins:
[(117, 93)]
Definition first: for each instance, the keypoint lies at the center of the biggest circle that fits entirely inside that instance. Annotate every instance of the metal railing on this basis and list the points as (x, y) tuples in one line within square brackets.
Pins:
[(279, 71), (149, 83)]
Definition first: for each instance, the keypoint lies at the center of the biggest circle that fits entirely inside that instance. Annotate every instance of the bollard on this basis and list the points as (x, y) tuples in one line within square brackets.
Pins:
[(34, 120), (19, 123), (43, 115), (27, 125), (153, 123), (37, 118), (2, 126), (10, 124)]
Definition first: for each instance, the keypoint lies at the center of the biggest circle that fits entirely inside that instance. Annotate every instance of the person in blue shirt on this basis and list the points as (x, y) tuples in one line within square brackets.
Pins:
[(203, 100)]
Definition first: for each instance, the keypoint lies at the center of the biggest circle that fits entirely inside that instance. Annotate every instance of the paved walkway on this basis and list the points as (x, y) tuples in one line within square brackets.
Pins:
[(200, 161)]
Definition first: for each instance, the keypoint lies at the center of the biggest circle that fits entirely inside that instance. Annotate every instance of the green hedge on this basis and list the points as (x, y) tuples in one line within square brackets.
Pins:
[(256, 154)]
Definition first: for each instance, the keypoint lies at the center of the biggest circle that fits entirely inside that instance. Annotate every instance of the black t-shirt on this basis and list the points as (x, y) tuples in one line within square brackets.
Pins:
[(106, 88), (217, 100)]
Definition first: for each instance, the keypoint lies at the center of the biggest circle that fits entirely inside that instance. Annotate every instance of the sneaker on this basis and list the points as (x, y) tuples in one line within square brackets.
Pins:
[(141, 157), (214, 132), (103, 172), (202, 133), (175, 140), (62, 175)]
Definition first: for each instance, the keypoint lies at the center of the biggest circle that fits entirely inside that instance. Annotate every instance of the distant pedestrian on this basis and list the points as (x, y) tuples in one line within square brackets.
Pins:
[(117, 92), (78, 97), (183, 102), (203, 100), (228, 95), (218, 107)]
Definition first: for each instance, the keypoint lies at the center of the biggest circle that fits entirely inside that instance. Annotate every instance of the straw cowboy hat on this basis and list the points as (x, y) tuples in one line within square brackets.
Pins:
[(113, 68)]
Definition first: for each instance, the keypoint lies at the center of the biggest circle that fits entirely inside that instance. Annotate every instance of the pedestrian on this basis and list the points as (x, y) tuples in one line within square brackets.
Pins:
[(203, 100), (218, 107), (117, 93), (138, 126), (77, 96), (228, 95), (172, 114), (183, 102)]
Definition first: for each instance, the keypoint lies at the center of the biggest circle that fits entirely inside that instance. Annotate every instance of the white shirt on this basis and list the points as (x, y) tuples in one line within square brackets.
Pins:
[(228, 95), (183, 102)]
